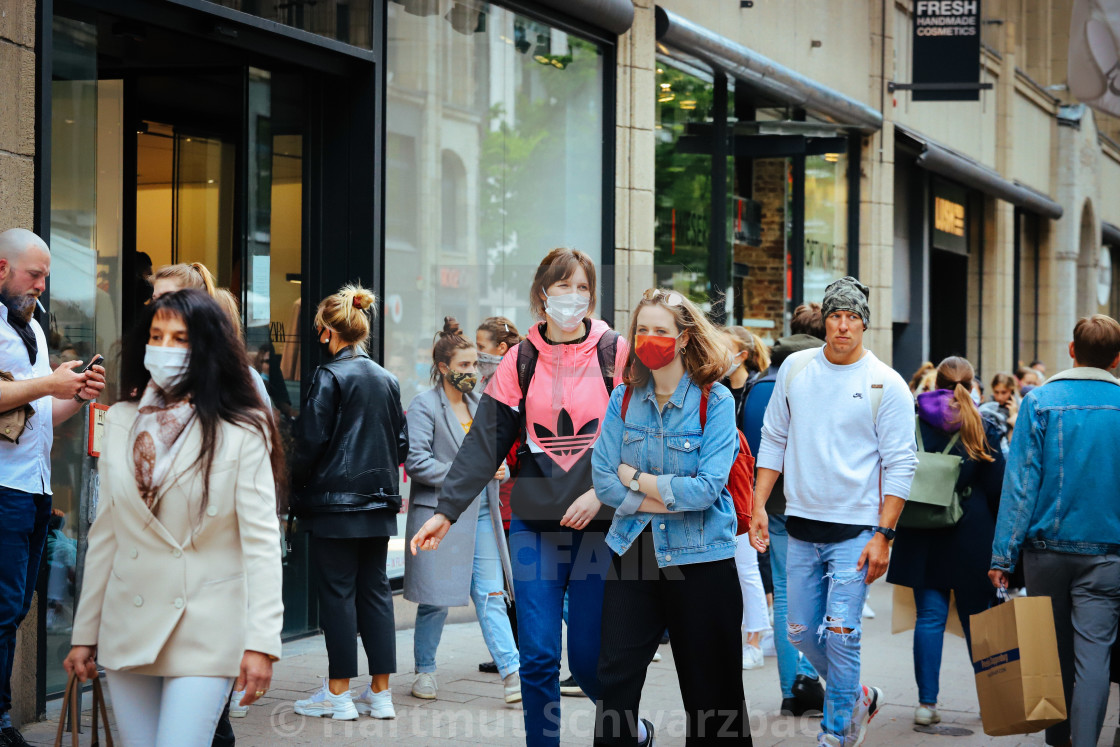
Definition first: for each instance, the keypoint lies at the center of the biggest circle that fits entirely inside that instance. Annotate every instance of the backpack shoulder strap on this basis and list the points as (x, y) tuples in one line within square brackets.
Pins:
[(795, 367), (607, 351), (626, 402), (704, 407), (878, 383), (526, 364), (918, 433), (952, 442)]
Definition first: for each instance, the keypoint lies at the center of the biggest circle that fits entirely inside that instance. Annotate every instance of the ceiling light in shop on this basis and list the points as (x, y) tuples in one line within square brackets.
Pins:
[(832, 157), (666, 86), (688, 104), (665, 98)]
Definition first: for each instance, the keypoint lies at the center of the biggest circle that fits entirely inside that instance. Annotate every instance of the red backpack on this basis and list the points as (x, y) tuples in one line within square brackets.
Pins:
[(740, 481)]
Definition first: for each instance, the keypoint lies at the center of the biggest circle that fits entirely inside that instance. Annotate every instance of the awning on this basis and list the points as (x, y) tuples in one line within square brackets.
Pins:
[(763, 74), (615, 16), (1110, 234), (958, 167)]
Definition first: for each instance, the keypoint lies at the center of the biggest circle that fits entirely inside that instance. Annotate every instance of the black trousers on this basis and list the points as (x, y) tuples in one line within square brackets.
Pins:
[(702, 608), (223, 732), (354, 595)]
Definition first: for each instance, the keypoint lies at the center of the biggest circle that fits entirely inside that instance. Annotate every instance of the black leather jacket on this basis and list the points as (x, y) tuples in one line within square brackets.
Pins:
[(350, 439)]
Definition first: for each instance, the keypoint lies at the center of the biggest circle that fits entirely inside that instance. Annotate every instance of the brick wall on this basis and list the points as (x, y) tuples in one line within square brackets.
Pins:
[(764, 288)]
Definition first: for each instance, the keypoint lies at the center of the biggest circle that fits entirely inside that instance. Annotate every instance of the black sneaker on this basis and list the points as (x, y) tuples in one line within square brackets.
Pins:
[(649, 734), (664, 637), (809, 694), (9, 737), (489, 667), (569, 687)]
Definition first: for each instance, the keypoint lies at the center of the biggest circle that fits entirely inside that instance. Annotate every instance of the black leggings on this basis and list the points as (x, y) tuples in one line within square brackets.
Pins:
[(354, 595)]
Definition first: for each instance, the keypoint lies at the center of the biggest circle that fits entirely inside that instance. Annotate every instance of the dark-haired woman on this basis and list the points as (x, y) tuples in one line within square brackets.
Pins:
[(182, 591), (935, 562), (350, 440), (468, 565), (558, 531)]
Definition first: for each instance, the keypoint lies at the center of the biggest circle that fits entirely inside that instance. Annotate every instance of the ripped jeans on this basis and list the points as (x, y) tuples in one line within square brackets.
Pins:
[(489, 596), (826, 592)]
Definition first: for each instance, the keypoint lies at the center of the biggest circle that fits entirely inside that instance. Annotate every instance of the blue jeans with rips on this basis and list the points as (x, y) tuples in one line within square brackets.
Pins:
[(489, 597), (23, 535), (790, 661), (545, 566), (827, 593)]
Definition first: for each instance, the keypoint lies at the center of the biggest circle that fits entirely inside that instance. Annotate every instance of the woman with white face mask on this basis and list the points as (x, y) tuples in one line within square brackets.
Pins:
[(182, 589), (553, 405)]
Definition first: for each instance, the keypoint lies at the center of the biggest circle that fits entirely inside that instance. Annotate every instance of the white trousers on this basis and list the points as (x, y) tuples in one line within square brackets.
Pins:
[(166, 711), (756, 616)]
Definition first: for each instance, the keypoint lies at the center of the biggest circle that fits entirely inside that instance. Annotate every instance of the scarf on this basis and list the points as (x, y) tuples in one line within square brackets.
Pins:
[(157, 438), (22, 326), (936, 408)]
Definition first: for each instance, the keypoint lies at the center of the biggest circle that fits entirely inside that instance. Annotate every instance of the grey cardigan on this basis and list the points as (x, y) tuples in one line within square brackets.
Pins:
[(442, 577)]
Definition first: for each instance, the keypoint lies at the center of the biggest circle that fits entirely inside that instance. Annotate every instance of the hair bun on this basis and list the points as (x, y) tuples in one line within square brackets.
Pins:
[(451, 327)]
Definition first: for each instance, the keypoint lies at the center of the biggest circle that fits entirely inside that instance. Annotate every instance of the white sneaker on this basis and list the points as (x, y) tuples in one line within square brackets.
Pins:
[(378, 705), (752, 657), (768, 644), (925, 716), (424, 686), (868, 612), (827, 740), (870, 700), (657, 656), (325, 703), (511, 686), (236, 710)]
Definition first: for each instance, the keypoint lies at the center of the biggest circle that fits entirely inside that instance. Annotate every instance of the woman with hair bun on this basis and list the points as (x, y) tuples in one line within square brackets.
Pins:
[(469, 562), (350, 439), (935, 562)]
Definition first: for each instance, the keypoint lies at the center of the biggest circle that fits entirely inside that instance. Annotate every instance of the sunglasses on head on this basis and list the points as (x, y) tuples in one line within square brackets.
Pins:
[(660, 295)]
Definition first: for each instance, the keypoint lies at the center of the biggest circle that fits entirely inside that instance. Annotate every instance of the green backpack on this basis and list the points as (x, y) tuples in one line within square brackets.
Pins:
[(934, 502)]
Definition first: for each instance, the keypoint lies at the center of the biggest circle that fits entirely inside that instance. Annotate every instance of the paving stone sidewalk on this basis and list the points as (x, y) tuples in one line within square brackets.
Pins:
[(470, 709)]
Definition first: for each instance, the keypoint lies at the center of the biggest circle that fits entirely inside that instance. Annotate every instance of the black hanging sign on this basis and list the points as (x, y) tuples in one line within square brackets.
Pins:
[(946, 44)]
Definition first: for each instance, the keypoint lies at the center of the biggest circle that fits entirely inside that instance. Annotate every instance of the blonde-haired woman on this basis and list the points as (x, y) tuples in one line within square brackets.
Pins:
[(936, 561), (668, 442), (350, 439)]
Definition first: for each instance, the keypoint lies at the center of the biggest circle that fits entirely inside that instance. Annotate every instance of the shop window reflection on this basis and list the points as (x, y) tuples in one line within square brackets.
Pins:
[(826, 222), (494, 156)]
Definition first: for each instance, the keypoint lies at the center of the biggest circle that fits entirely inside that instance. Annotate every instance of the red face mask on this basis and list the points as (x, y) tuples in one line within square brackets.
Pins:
[(655, 352)]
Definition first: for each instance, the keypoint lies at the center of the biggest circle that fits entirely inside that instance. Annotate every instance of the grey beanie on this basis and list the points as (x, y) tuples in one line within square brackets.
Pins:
[(847, 294)]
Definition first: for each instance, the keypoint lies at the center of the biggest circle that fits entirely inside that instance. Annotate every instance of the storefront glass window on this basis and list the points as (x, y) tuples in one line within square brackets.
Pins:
[(826, 222), (494, 156), (683, 190), (86, 286), (342, 20)]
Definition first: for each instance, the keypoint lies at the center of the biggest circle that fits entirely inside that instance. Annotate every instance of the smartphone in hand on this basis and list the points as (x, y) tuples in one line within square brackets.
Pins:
[(97, 359)]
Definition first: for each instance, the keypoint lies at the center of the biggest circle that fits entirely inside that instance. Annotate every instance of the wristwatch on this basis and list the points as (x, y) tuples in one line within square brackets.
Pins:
[(888, 533), (634, 481)]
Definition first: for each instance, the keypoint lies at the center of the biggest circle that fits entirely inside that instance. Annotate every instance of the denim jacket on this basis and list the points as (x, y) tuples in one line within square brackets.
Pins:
[(691, 467), (1061, 490)]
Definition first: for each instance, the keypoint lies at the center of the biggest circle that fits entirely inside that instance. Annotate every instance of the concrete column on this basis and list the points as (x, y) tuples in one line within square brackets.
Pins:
[(999, 245), (17, 204), (634, 161), (876, 214)]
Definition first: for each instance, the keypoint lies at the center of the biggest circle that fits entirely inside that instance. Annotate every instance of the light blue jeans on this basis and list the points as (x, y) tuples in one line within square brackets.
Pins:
[(826, 592), (790, 661), (489, 596)]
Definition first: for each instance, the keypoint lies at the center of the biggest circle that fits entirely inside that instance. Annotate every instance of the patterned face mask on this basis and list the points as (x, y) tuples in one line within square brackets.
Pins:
[(488, 364), (463, 381)]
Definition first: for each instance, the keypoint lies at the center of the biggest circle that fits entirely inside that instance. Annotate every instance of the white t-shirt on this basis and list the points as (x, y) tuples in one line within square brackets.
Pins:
[(821, 436)]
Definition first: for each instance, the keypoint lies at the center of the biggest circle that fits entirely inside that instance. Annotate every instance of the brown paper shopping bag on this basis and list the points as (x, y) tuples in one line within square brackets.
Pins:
[(904, 613), (1018, 674)]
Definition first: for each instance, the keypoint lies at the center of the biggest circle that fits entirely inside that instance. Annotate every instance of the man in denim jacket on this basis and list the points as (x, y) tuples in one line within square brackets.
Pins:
[(1061, 507)]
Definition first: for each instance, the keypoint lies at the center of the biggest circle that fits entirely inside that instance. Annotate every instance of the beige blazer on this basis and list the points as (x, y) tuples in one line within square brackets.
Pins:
[(183, 595)]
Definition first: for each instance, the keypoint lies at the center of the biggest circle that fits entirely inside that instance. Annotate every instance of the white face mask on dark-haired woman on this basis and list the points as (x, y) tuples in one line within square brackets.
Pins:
[(568, 310), (488, 364), (167, 365)]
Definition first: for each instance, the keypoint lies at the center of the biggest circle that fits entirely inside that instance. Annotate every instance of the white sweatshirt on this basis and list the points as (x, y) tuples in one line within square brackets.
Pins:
[(820, 434)]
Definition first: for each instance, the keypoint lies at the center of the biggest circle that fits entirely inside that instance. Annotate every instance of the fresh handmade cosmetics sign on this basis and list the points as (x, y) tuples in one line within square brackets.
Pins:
[(946, 46)]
